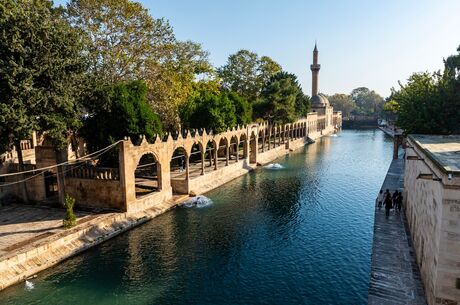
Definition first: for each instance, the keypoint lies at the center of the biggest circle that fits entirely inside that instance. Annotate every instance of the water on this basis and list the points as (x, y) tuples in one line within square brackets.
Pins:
[(301, 234)]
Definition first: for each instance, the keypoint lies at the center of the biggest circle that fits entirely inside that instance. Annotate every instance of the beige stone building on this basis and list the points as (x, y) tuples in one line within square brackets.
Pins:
[(432, 191)]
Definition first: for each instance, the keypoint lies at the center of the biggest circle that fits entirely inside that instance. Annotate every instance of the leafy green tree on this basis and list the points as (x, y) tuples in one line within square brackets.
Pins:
[(122, 36), (368, 102), (302, 103), (126, 43), (243, 109), (214, 112), (247, 74), (122, 111), (41, 72), (342, 102), (279, 99)]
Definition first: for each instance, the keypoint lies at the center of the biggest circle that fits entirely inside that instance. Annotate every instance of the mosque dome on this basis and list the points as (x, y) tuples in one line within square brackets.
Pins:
[(319, 100)]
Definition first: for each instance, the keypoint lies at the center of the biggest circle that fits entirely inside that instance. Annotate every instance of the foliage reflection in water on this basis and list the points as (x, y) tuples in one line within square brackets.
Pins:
[(300, 235)]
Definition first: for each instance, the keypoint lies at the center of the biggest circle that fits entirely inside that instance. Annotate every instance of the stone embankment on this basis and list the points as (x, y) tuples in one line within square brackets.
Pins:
[(54, 246), (395, 276)]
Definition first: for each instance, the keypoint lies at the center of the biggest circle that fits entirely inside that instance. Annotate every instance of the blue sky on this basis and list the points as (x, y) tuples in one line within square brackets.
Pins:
[(371, 43)]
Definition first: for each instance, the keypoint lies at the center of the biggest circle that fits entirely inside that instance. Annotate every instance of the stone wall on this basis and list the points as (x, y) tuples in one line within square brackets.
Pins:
[(95, 193), (433, 214)]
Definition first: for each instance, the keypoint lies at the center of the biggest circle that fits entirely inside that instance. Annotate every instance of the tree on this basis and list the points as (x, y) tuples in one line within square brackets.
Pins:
[(247, 74), (126, 43), (123, 111), (214, 112), (41, 72), (174, 81), (279, 99), (122, 37), (243, 109), (368, 102), (421, 108), (342, 102)]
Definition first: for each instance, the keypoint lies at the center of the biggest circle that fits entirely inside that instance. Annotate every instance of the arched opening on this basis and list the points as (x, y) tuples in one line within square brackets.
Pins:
[(243, 147), (222, 152), (210, 162), (252, 149), (261, 141), (233, 149), (179, 171), (196, 161), (147, 176)]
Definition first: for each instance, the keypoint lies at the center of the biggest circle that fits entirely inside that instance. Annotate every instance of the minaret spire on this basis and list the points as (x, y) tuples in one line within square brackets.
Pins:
[(314, 72)]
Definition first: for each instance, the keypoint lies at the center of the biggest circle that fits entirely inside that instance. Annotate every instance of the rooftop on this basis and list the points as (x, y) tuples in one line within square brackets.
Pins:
[(443, 150)]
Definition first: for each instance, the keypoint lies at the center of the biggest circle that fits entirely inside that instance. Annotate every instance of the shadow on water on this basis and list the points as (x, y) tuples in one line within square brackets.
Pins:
[(299, 235)]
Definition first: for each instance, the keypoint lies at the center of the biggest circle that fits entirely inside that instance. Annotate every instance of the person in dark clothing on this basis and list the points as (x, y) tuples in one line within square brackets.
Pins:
[(380, 199), (387, 202), (394, 198)]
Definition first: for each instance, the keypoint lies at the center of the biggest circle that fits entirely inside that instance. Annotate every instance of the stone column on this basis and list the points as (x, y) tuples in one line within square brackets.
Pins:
[(203, 152), (127, 182), (227, 154)]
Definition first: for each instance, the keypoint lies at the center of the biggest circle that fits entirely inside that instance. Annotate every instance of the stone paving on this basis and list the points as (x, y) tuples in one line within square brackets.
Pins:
[(21, 225), (395, 276)]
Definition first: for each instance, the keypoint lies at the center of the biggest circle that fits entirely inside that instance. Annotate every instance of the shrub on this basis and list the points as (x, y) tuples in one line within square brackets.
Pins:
[(70, 220)]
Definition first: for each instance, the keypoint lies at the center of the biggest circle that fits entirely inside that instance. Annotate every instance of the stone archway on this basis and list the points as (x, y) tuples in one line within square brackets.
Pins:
[(196, 161), (179, 171), (233, 149), (243, 147), (147, 175), (222, 152)]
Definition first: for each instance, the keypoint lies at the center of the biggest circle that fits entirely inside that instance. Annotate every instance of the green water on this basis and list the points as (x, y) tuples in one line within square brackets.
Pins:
[(297, 235)]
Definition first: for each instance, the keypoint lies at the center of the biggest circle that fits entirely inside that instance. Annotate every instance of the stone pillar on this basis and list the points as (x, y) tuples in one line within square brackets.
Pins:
[(237, 151), (203, 152), (127, 176), (214, 153), (227, 154)]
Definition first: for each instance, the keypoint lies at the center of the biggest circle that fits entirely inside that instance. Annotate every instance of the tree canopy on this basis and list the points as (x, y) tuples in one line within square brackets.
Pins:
[(282, 100), (126, 43), (368, 102), (247, 74), (122, 111), (41, 72), (342, 102)]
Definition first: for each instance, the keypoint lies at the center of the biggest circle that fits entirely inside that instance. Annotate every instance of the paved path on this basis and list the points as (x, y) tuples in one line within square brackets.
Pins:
[(395, 277), (21, 225)]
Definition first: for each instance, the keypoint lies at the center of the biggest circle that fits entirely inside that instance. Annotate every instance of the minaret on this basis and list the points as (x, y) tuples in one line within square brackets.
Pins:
[(314, 72)]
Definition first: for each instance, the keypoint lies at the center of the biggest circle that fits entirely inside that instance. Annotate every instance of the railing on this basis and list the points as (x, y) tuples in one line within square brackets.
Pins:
[(26, 144), (91, 172), (14, 167)]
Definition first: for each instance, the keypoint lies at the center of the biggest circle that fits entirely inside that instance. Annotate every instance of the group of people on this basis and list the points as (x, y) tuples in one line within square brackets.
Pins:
[(390, 201)]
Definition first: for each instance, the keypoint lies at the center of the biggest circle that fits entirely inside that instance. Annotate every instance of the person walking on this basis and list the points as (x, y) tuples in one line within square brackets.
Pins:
[(394, 199), (387, 202), (380, 199)]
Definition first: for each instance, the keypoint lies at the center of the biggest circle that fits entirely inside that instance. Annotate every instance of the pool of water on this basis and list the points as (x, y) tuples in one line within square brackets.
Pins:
[(299, 233)]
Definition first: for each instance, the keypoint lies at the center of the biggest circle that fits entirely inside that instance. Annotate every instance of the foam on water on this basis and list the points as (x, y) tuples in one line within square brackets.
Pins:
[(29, 285), (197, 202), (274, 166)]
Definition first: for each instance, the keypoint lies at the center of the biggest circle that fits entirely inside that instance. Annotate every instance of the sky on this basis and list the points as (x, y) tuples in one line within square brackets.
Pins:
[(361, 43)]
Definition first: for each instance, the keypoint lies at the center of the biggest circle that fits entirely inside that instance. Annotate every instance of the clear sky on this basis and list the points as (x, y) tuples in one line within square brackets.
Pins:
[(371, 43)]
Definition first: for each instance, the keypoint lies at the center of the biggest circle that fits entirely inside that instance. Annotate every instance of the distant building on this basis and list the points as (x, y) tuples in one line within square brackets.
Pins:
[(319, 102), (432, 187)]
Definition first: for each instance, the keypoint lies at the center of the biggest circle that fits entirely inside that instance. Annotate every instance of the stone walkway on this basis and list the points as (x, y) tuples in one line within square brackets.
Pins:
[(22, 225), (395, 277)]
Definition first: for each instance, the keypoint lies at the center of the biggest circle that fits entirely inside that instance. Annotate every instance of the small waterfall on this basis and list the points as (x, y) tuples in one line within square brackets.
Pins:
[(197, 201)]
